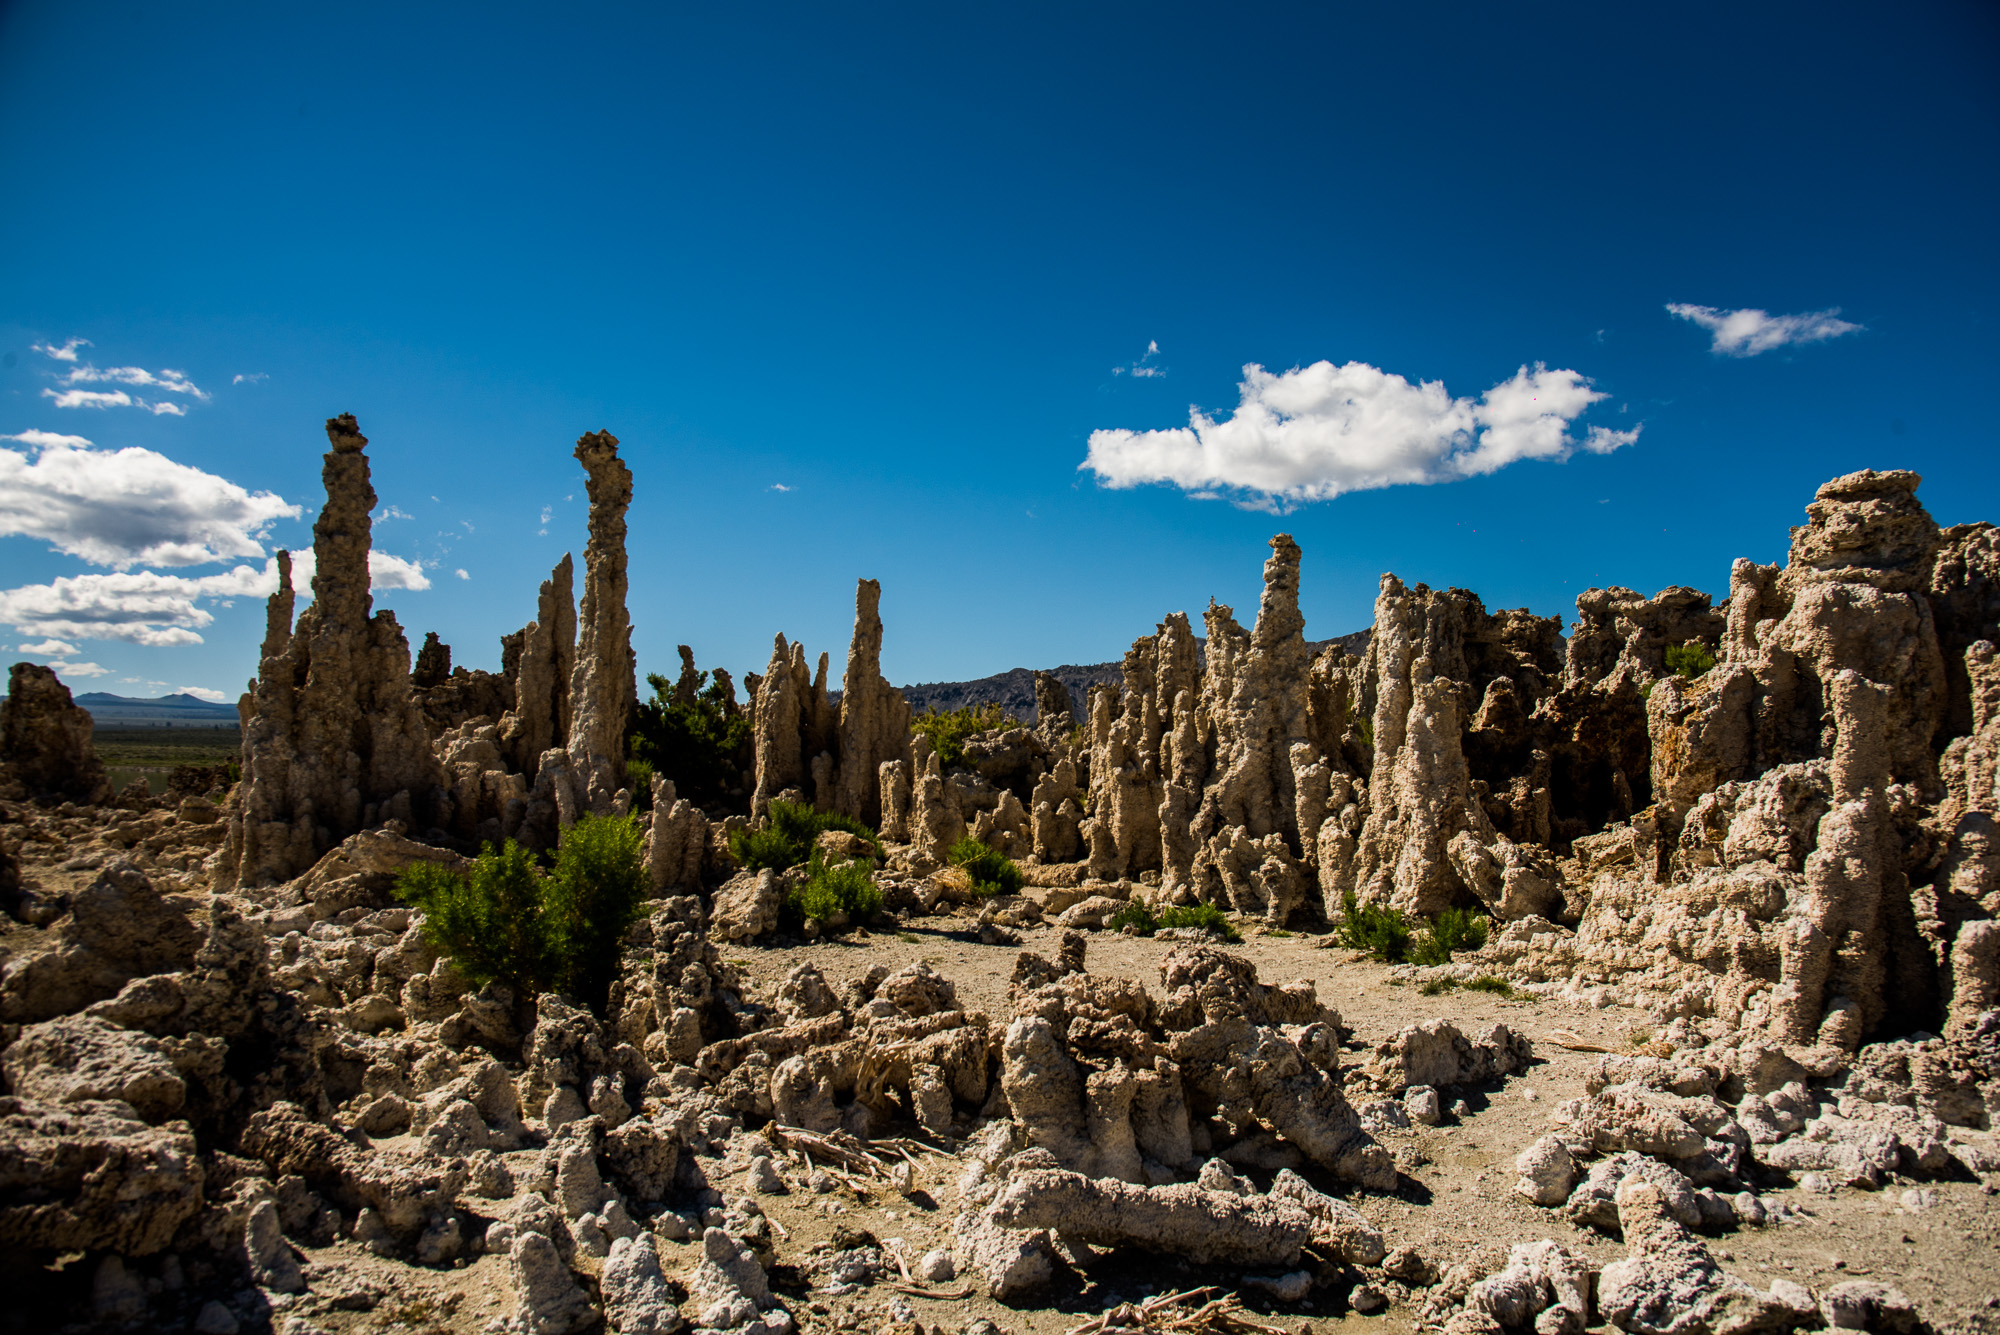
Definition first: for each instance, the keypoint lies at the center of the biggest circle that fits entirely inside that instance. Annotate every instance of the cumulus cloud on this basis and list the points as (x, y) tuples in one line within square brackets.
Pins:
[(65, 353), (778, 486), (166, 410), (1747, 332), (122, 508), (1316, 432), (255, 378), (49, 649), (1145, 368), (153, 610), (462, 573), (208, 693), (66, 669)]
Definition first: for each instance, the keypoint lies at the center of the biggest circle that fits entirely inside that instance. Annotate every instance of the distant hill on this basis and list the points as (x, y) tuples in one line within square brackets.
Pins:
[(1014, 690), (176, 711)]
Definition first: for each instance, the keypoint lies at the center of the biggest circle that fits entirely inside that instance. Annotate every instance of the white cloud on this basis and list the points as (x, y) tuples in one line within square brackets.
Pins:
[(461, 573), (254, 378), (66, 669), (40, 439), (65, 353), (1316, 432), (777, 486), (147, 608), (126, 507), (174, 382), (389, 512), (49, 649), (165, 409), (89, 398), (1144, 369), (208, 693), (1747, 332)]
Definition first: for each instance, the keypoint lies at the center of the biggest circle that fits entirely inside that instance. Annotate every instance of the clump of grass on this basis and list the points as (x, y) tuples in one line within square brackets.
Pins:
[(1448, 933), (1493, 983), (1276, 931), (947, 729), (506, 921), (1437, 987), (1381, 931), (831, 891), (910, 937), (1690, 660), (992, 873), (1145, 922), (787, 838)]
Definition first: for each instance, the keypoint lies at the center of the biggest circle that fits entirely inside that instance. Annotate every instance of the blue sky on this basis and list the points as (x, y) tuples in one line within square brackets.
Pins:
[(855, 290)]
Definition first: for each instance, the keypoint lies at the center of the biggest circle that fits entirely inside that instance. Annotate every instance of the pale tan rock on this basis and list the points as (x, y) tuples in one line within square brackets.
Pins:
[(603, 686), (540, 718), (335, 742), (1202, 1226), (45, 738), (676, 841), (89, 1175), (874, 717)]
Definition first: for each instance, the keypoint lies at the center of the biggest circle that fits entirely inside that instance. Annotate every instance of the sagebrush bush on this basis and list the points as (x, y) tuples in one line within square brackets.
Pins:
[(947, 729), (506, 921), (1448, 933), (1689, 660), (787, 838), (489, 922), (840, 888), (699, 738), (1493, 983), (1380, 930), (1145, 921), (596, 891), (992, 873)]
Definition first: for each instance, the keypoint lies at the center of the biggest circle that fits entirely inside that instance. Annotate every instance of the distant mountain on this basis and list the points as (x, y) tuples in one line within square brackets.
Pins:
[(179, 710), (1014, 690)]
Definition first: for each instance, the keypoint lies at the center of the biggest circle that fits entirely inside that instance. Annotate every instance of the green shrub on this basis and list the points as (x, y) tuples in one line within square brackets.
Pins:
[(843, 887), (1205, 916), (639, 782), (596, 891), (1146, 922), (505, 921), (699, 738), (1689, 660), (1138, 915), (992, 873), (1448, 933), (948, 729), (1437, 987), (787, 839), (1381, 931), (1489, 982), (489, 922)]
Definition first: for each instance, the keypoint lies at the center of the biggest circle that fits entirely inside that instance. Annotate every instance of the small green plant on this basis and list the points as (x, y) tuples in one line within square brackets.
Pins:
[(1383, 932), (831, 891), (1079, 735), (1493, 983), (910, 937), (506, 921), (1137, 915), (639, 782), (948, 729), (1448, 933), (787, 840), (1207, 917), (1437, 987), (1366, 727), (992, 873), (1144, 921), (1276, 931), (1690, 660)]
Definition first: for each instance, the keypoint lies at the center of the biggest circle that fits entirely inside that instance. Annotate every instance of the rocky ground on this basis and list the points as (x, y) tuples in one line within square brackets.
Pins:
[(833, 1237)]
